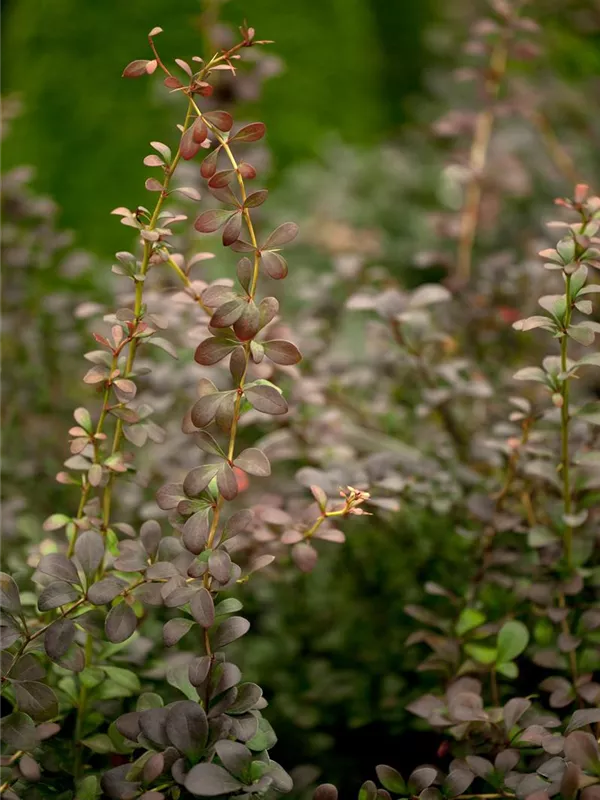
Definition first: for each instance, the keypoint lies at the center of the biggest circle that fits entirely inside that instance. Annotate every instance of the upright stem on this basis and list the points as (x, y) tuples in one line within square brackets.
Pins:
[(564, 430)]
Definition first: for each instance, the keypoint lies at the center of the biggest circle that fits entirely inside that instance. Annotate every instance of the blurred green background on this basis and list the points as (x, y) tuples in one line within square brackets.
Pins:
[(349, 67)]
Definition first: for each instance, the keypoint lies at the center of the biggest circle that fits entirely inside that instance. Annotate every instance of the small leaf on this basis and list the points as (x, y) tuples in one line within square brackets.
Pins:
[(120, 623), (57, 594), (18, 731), (210, 780), (282, 352), (390, 779), (584, 716), (105, 591), (266, 399), (36, 699), (512, 640), (230, 630), (282, 235), (210, 221), (59, 637), (135, 69), (249, 133), (58, 566), (89, 550), (175, 629), (254, 462), (203, 607), (187, 727), (9, 594)]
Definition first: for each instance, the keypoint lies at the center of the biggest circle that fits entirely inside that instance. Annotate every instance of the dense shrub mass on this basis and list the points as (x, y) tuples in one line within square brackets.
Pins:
[(446, 396)]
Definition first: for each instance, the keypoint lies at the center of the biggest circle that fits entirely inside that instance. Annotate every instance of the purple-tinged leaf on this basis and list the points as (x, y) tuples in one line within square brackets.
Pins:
[(213, 350), (266, 399), (202, 605), (230, 630), (249, 133), (57, 594), (247, 325), (226, 482), (282, 352), (274, 264), (36, 699), (210, 780), (210, 221), (198, 479), (254, 462), (135, 69), (285, 233), (204, 410), (256, 198), (105, 591), (195, 531), (120, 623), (175, 629), (232, 229), (228, 313), (305, 556), (221, 120)]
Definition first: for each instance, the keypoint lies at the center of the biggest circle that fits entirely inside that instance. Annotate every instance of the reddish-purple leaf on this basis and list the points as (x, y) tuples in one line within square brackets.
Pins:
[(209, 165), (274, 264), (153, 161), (228, 313), (282, 352), (256, 198), (268, 309), (210, 221), (305, 556), (247, 326), (232, 229), (120, 623), (204, 410), (199, 131), (254, 462), (227, 482), (135, 69), (282, 235), (220, 119), (221, 178), (266, 399), (197, 479), (171, 82), (213, 350), (195, 531), (246, 170), (188, 146), (203, 608), (250, 133)]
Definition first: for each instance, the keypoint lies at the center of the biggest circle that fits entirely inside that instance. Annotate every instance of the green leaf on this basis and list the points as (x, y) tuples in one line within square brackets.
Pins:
[(124, 677), (264, 738), (18, 731), (88, 788), (99, 743), (512, 640), (179, 678), (391, 779), (508, 669), (481, 653), (469, 618)]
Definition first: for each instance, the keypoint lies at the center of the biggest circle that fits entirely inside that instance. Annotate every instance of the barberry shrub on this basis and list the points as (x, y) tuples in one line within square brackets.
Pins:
[(82, 722), (518, 704)]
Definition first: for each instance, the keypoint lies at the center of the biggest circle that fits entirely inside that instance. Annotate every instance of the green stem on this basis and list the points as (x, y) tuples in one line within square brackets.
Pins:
[(564, 430)]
